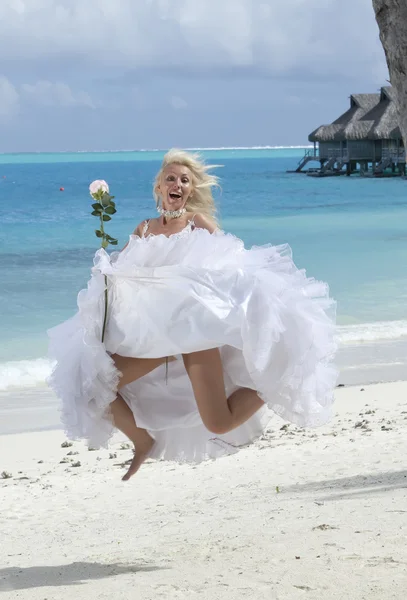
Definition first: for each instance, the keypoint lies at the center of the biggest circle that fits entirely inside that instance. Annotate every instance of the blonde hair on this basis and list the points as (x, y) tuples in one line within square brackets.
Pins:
[(201, 200)]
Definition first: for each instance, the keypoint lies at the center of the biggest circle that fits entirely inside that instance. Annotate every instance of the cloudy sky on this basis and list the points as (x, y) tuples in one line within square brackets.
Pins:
[(126, 74)]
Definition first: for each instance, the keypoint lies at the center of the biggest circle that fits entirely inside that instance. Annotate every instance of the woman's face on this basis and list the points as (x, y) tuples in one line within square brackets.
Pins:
[(175, 186)]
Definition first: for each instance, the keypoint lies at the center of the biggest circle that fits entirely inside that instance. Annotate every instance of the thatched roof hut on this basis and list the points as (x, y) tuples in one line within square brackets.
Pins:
[(370, 117), (385, 121)]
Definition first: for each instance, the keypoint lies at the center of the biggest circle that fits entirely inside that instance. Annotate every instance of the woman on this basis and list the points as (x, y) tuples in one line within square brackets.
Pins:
[(203, 336)]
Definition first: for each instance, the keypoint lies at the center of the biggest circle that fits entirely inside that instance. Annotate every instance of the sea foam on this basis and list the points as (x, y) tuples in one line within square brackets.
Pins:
[(372, 332)]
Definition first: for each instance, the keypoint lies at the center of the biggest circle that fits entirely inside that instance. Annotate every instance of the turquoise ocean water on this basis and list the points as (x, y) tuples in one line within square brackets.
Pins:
[(350, 232)]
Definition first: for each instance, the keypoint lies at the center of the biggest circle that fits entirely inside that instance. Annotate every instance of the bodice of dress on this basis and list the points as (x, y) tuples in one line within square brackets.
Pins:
[(187, 229)]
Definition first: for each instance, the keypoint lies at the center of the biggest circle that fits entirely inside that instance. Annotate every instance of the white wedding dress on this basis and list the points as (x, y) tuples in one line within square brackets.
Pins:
[(184, 293)]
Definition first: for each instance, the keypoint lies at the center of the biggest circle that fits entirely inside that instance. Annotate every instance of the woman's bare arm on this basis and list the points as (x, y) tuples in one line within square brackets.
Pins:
[(203, 222), (137, 231)]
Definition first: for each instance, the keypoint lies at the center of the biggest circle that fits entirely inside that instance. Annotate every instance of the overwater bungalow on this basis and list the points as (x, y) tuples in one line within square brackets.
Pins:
[(366, 138)]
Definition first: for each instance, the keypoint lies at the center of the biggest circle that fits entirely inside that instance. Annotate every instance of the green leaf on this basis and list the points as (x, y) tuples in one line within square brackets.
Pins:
[(105, 244), (114, 242), (107, 218), (96, 213), (99, 234), (105, 200), (109, 237), (110, 210), (97, 206)]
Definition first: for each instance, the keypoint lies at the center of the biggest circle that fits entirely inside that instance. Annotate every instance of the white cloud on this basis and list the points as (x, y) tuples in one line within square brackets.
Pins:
[(136, 97), (9, 99), (327, 37), (178, 103), (46, 93), (294, 100)]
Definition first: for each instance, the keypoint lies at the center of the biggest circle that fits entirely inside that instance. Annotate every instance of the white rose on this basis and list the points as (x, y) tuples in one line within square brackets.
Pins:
[(97, 186)]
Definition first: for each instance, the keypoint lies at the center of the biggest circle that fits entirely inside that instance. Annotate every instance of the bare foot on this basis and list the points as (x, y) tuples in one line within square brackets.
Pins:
[(140, 455)]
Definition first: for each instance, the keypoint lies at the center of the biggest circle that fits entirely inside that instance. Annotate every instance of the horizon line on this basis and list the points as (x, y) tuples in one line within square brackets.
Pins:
[(219, 148)]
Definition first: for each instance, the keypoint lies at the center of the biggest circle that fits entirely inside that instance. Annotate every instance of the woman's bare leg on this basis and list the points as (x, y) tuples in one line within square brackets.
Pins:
[(218, 413), (132, 369), (123, 419), (135, 368)]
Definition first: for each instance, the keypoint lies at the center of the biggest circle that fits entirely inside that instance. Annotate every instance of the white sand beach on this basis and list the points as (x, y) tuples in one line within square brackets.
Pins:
[(316, 514)]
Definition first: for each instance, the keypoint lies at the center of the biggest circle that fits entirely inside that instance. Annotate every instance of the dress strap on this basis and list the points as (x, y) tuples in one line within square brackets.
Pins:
[(145, 228)]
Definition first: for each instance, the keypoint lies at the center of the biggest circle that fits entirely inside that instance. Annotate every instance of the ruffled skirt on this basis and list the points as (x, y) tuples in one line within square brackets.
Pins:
[(274, 327)]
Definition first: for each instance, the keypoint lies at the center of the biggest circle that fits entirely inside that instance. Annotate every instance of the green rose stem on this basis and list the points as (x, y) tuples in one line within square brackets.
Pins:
[(103, 208)]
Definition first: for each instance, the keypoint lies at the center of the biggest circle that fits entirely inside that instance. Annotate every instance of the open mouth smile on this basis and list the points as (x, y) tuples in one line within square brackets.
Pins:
[(175, 195)]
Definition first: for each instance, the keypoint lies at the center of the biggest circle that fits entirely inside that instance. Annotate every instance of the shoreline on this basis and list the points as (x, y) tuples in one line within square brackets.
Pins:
[(296, 512), (41, 407), (360, 362)]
